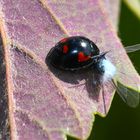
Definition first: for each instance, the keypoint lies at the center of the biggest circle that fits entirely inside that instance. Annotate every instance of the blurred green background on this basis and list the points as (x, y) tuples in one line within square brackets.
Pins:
[(122, 122)]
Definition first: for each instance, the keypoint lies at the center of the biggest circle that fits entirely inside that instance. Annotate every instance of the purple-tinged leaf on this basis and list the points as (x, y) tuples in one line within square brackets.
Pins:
[(113, 10), (4, 127), (45, 105)]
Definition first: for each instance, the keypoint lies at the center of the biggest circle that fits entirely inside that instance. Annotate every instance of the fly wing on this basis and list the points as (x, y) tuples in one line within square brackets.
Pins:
[(132, 48), (129, 96), (104, 91)]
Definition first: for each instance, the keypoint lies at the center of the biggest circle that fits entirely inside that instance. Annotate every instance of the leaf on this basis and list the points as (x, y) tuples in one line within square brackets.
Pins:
[(112, 8), (46, 105), (134, 6), (4, 127)]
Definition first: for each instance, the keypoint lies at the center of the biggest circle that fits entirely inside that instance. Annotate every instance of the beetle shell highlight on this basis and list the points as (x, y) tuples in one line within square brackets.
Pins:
[(73, 53)]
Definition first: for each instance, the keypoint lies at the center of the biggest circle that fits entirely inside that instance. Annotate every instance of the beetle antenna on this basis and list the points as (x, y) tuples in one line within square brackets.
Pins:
[(102, 55)]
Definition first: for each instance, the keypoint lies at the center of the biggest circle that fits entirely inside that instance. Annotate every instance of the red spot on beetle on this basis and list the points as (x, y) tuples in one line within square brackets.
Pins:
[(65, 49), (64, 40), (82, 57)]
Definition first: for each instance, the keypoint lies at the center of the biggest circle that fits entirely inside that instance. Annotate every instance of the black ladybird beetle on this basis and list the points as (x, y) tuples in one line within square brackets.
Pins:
[(74, 53), (78, 52)]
